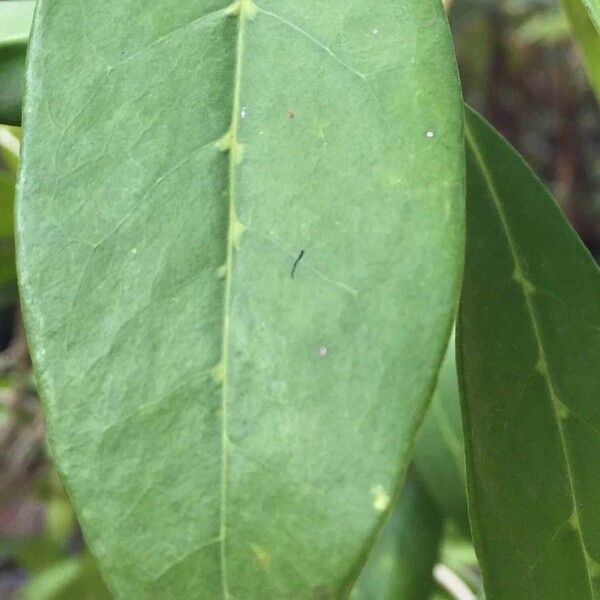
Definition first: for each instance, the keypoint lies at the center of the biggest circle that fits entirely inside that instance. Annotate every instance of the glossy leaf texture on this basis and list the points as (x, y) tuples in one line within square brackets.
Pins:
[(528, 353), (225, 228), (403, 558), (584, 20), (15, 23), (440, 451)]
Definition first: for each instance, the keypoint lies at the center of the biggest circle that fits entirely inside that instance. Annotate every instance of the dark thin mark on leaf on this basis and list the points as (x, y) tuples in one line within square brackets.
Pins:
[(296, 263)]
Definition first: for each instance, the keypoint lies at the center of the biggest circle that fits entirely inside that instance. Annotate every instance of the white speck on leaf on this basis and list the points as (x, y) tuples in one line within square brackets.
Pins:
[(381, 500), (134, 251), (375, 31), (244, 112), (323, 351), (430, 134)]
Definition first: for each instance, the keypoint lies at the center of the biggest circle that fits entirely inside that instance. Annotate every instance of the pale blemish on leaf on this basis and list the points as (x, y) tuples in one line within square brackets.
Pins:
[(218, 373), (262, 556), (381, 499), (540, 366), (237, 230), (561, 409), (574, 521), (224, 142), (237, 151)]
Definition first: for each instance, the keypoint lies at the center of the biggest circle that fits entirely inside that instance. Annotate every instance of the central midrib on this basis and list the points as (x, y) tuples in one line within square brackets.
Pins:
[(539, 343), (243, 10)]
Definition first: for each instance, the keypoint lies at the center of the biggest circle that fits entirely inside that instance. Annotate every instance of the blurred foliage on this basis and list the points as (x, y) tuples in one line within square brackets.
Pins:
[(520, 69)]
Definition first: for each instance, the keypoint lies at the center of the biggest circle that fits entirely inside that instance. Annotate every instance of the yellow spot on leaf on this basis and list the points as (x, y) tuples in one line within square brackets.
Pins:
[(381, 499), (224, 142)]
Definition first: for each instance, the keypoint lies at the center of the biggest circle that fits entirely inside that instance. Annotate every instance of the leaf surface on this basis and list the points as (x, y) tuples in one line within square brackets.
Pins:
[(528, 352), (225, 228), (15, 22)]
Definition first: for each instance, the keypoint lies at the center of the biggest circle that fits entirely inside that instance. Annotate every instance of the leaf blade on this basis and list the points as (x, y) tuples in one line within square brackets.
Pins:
[(519, 349), (146, 335)]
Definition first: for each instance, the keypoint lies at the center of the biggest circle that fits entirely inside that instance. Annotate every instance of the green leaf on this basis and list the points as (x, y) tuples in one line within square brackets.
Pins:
[(440, 452), (584, 19), (73, 578), (15, 22), (548, 27), (226, 222), (528, 348), (402, 561), (8, 274), (10, 147)]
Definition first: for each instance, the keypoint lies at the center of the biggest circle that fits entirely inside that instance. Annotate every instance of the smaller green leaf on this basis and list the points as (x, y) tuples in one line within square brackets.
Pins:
[(10, 148), (401, 563), (15, 23), (8, 274), (584, 19), (440, 452), (528, 350), (544, 28), (75, 578)]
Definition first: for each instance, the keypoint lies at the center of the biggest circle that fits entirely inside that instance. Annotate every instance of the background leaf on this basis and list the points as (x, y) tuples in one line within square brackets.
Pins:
[(584, 19), (9, 144), (402, 561), (221, 424), (528, 348), (440, 452), (15, 22)]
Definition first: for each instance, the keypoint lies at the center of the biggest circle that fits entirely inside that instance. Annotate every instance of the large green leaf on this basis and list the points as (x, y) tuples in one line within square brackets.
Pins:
[(528, 347), (15, 22), (440, 451), (584, 19), (402, 561), (226, 223)]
